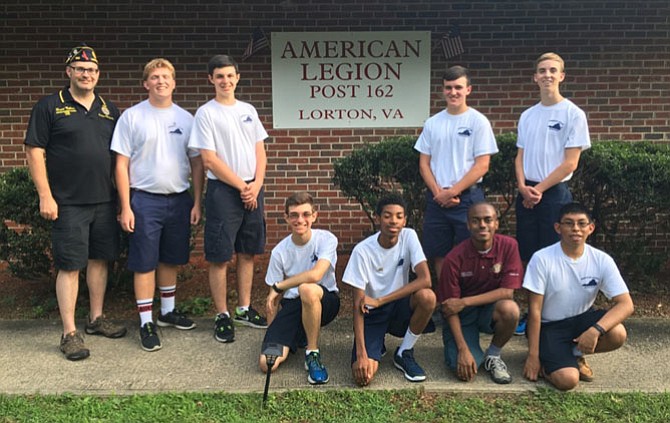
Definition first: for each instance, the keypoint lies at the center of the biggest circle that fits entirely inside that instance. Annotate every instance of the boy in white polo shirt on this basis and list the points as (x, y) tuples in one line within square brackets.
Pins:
[(153, 166), (563, 281), (301, 274), (456, 145), (385, 301)]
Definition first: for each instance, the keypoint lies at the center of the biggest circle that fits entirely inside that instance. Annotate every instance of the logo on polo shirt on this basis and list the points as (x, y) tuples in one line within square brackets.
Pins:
[(592, 282), (556, 125), (174, 129), (497, 268), (401, 262), (314, 258), (67, 110), (247, 119), (466, 132)]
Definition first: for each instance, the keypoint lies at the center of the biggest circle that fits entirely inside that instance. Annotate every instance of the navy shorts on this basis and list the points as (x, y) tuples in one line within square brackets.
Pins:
[(286, 328), (229, 227), (473, 321), (392, 318), (446, 227), (84, 232), (556, 339), (162, 230), (535, 227)]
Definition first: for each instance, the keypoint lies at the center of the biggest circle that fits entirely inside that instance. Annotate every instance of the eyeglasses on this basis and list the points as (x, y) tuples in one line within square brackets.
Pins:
[(295, 215), (80, 71), (570, 224)]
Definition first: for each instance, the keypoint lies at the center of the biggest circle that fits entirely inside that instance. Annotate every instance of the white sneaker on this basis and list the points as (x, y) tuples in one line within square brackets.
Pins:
[(498, 369)]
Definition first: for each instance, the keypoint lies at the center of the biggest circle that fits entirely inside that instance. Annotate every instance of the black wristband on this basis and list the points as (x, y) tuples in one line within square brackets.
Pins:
[(276, 288), (599, 329)]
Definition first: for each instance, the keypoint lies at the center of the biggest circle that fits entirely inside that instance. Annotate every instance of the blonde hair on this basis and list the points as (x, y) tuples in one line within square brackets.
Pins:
[(156, 64), (550, 56)]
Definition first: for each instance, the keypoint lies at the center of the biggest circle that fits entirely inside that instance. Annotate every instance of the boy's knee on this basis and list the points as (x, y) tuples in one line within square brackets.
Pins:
[(425, 298), (309, 293), (616, 337), (564, 379), (507, 310)]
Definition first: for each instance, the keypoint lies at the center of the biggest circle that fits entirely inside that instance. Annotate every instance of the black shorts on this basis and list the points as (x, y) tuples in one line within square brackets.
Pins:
[(286, 328), (392, 318), (84, 232), (556, 339), (229, 227)]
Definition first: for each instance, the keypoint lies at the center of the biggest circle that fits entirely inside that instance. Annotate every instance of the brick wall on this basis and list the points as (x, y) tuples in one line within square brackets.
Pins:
[(617, 54)]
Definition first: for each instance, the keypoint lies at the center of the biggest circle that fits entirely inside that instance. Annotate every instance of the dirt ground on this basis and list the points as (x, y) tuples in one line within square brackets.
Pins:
[(35, 299)]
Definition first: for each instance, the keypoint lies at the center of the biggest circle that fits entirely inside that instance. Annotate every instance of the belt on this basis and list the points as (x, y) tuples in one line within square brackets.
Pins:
[(173, 194)]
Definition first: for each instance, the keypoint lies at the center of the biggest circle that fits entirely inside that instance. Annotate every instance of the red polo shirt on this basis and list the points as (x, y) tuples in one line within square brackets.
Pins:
[(467, 272)]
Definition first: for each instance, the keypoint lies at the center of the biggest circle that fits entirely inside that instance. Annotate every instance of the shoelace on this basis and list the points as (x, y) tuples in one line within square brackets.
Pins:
[(495, 363)]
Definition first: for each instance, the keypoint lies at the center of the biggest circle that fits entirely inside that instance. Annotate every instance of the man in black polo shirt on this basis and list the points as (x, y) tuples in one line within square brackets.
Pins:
[(72, 129)]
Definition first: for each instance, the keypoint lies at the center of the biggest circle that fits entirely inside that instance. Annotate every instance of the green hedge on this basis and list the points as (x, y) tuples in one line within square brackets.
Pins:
[(27, 250), (626, 185)]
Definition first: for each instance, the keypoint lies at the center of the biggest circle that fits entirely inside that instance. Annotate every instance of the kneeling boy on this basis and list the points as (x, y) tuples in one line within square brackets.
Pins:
[(384, 298), (302, 274)]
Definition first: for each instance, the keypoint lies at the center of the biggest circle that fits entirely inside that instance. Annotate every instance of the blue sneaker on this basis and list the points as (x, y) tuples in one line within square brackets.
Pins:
[(521, 327), (406, 364), (318, 375)]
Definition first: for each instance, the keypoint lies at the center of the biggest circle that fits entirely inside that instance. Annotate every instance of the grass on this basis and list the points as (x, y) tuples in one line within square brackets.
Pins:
[(358, 406)]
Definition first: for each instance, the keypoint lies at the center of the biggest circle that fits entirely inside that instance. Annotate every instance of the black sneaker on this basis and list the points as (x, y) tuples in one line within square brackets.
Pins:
[(406, 364), (177, 319), (251, 318), (72, 345), (223, 329), (149, 337)]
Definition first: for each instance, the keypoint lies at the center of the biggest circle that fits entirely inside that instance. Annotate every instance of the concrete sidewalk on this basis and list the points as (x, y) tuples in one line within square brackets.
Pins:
[(192, 361)]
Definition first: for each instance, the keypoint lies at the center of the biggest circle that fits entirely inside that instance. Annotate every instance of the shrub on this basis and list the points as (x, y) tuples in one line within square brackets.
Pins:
[(627, 187), (378, 169), (500, 180), (24, 234)]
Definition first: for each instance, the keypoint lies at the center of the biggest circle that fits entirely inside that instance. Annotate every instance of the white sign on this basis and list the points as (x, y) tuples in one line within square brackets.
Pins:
[(350, 79)]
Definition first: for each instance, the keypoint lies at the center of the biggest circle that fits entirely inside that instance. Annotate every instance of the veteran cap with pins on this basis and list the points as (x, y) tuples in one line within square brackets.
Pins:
[(81, 53)]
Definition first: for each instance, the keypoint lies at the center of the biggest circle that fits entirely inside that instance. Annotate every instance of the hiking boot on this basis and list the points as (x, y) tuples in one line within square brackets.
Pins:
[(149, 338), (72, 345), (102, 326), (498, 369), (251, 318), (406, 364), (585, 372), (175, 318), (223, 329), (521, 327), (318, 375)]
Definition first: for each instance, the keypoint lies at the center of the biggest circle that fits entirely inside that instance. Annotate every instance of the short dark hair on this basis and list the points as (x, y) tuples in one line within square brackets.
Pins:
[(573, 208), (455, 72), (298, 199), (390, 199), (483, 203), (221, 61)]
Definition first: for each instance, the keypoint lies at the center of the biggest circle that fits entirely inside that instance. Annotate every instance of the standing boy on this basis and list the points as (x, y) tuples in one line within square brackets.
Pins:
[(153, 165), (551, 136), (476, 291), (564, 280), (385, 301), (301, 274), (67, 147), (456, 147), (230, 138)]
